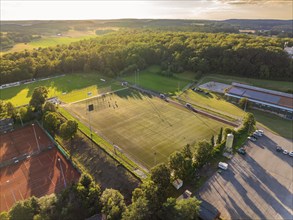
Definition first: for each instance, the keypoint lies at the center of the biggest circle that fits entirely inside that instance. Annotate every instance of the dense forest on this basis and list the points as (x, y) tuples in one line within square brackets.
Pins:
[(124, 52)]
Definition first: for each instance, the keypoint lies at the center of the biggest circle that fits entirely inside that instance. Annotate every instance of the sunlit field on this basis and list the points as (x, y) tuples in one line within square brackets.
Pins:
[(145, 128), (68, 88)]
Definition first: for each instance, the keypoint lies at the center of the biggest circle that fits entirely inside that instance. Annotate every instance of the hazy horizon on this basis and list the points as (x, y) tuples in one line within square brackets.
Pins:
[(12, 10)]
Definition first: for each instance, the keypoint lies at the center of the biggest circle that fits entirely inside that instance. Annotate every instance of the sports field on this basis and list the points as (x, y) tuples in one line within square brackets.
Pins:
[(68, 88), (151, 78), (22, 142), (35, 174), (145, 128)]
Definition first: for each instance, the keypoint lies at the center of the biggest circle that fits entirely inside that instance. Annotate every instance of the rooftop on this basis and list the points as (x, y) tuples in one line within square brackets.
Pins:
[(264, 95)]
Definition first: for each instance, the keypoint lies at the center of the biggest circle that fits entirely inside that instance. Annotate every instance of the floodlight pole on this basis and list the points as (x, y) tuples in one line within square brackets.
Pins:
[(36, 137), (64, 181)]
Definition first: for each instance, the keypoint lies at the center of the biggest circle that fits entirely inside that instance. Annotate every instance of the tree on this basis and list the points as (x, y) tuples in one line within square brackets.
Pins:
[(186, 151), (249, 122), (113, 204), (39, 97), (49, 107), (244, 103), (202, 153), (52, 122), (160, 175), (220, 136), (213, 140), (78, 201), (4, 216), (187, 209), (25, 210), (176, 164), (138, 210), (11, 113), (68, 129)]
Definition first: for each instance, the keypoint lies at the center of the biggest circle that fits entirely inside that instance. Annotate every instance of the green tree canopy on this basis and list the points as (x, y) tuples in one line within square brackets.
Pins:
[(244, 103), (202, 153), (113, 204), (52, 122), (39, 97), (68, 129), (160, 175)]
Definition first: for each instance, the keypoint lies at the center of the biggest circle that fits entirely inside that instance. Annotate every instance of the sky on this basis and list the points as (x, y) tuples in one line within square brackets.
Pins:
[(174, 9)]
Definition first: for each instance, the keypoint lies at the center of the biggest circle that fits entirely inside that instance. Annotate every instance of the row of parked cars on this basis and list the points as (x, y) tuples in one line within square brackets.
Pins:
[(280, 149), (256, 135)]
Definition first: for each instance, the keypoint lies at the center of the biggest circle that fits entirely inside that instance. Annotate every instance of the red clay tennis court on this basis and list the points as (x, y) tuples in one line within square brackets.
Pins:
[(23, 141), (38, 175)]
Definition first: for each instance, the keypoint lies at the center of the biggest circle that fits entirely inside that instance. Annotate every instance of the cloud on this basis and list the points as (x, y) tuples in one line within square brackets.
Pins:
[(255, 2)]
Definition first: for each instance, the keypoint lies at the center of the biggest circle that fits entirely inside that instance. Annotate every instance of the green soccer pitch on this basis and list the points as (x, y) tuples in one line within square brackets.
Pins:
[(147, 129)]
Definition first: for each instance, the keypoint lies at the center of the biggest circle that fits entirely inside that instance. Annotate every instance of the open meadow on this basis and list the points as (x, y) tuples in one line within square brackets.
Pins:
[(68, 88), (145, 128)]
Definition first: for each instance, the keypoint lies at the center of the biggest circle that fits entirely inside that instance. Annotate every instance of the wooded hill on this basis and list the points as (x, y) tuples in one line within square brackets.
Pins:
[(124, 52)]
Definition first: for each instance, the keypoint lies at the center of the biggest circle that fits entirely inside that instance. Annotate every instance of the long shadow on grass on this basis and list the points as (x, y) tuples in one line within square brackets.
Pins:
[(131, 94)]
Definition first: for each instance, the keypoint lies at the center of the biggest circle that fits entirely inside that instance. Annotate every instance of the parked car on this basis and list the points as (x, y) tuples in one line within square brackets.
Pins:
[(187, 105), (257, 134), (285, 152), (241, 151), (279, 149), (251, 138), (223, 166), (260, 131), (291, 154)]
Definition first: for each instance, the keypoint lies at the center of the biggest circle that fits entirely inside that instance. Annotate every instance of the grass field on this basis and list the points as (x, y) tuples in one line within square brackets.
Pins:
[(68, 88), (213, 102), (151, 79), (46, 42), (145, 128), (268, 84), (274, 123)]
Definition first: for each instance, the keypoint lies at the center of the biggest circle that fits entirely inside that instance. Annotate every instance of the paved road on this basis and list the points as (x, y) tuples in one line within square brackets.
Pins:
[(258, 185)]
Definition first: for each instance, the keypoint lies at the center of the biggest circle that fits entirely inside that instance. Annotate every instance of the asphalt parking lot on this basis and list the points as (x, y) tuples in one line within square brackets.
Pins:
[(258, 185)]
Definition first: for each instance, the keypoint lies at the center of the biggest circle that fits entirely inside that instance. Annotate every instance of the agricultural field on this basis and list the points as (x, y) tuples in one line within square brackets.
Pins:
[(212, 102), (68, 88), (283, 86), (151, 78), (46, 42), (145, 128)]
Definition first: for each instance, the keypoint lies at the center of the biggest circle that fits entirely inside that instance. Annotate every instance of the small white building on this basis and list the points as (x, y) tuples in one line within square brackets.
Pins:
[(289, 50), (178, 183)]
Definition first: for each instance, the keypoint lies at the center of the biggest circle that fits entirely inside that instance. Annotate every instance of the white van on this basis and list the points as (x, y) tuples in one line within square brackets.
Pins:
[(223, 166)]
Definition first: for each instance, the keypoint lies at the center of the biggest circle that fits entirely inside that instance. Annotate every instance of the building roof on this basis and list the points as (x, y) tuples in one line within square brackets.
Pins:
[(177, 183), (262, 96)]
